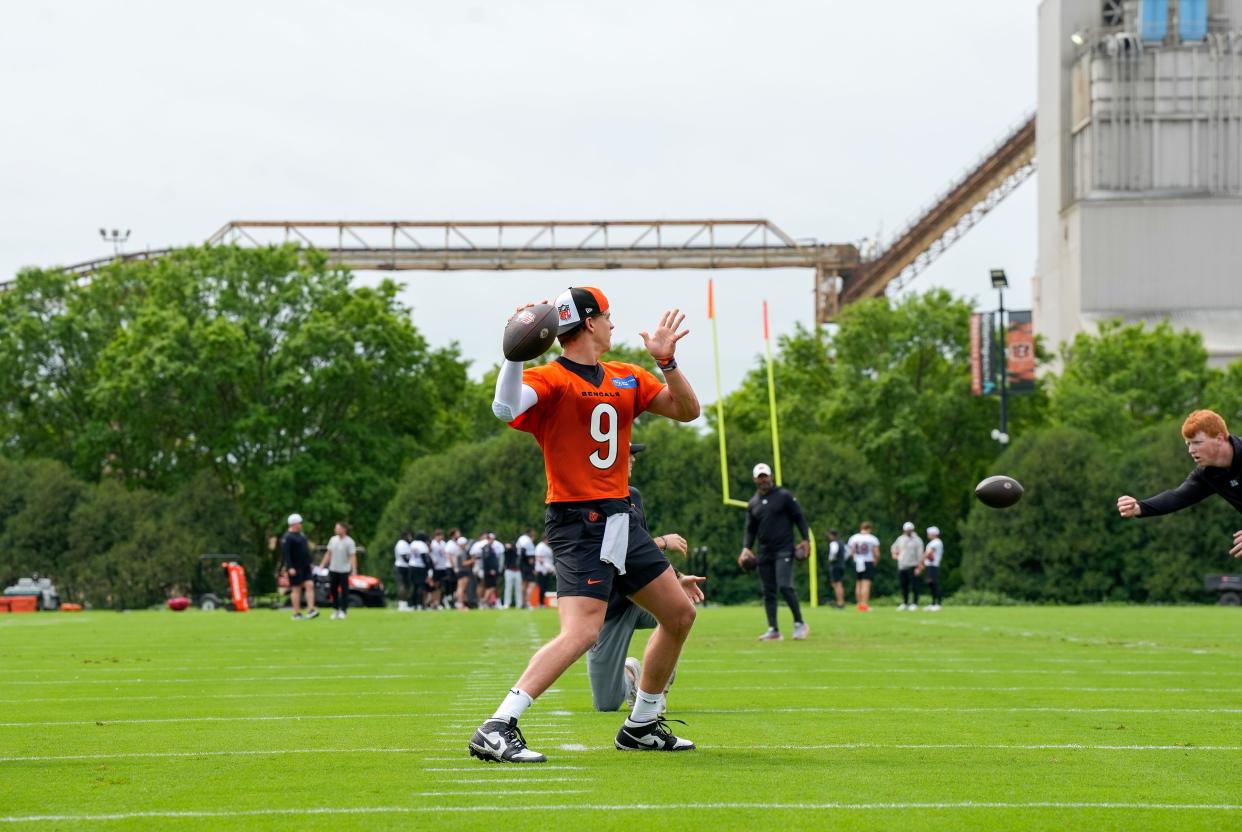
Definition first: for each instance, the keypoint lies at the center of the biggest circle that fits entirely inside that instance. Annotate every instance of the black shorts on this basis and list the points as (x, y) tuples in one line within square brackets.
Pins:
[(836, 571), (528, 573), (868, 572), (404, 577), (464, 574), (932, 573), (300, 573), (418, 575), (444, 577), (489, 580), (576, 534)]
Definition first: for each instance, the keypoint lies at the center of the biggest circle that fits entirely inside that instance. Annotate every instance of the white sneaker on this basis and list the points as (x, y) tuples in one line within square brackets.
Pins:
[(902, 608), (402, 606), (912, 607), (633, 670), (934, 608), (801, 628), (502, 742)]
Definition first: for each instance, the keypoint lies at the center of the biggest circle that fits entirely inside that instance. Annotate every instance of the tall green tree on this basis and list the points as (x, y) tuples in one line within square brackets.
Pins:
[(1129, 376), (265, 367)]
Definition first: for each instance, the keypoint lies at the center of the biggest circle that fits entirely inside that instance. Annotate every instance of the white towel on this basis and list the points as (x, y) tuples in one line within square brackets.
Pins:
[(616, 541)]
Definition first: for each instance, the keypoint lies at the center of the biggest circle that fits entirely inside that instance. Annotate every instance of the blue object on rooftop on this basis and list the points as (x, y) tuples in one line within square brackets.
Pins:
[(1192, 19), (1153, 20)]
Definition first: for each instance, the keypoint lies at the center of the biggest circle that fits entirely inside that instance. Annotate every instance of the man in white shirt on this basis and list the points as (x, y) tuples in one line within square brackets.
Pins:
[(441, 568), (402, 554), (907, 550), (545, 569), (420, 568), (341, 560), (864, 548), (524, 548), (931, 564), (487, 553)]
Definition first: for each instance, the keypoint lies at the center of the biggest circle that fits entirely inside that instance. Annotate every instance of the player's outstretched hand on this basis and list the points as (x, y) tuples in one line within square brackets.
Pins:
[(663, 342), (1236, 551), (690, 586), (1127, 506)]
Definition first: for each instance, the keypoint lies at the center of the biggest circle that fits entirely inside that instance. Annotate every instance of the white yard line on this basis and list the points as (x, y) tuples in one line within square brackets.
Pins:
[(630, 807), (702, 711), (418, 753)]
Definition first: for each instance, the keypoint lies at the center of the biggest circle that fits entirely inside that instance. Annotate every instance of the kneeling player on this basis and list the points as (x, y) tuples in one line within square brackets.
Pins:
[(581, 411), (614, 677)]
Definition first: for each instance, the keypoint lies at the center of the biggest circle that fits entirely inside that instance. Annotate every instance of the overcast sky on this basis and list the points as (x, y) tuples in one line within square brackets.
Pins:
[(834, 120)]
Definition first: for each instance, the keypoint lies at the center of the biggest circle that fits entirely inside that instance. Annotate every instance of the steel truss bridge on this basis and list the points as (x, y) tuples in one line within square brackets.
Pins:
[(843, 274)]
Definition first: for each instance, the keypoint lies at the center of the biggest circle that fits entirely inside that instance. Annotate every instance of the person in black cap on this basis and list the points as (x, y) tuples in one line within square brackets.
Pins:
[(770, 517), (614, 676)]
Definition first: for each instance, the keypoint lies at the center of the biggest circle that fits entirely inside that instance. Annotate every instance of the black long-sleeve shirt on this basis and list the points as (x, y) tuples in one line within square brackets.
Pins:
[(1201, 484), (294, 550), (770, 519)]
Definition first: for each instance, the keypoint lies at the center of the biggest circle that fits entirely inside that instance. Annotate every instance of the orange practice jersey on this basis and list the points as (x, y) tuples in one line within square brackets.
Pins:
[(584, 430)]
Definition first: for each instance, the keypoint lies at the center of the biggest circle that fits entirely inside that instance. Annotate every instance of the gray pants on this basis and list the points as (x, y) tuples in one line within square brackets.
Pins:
[(513, 589), (606, 660)]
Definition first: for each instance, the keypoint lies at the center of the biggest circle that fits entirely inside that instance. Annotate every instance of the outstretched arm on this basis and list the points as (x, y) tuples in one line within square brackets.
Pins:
[(1192, 491), (677, 400)]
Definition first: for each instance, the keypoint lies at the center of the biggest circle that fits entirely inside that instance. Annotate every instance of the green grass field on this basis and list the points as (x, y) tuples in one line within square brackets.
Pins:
[(1016, 718)]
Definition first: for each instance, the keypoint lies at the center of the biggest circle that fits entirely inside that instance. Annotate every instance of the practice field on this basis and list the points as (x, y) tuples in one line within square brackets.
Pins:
[(1019, 718)]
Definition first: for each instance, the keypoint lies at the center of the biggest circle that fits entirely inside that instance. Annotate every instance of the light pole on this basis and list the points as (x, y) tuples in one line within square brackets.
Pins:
[(1000, 283), (115, 237)]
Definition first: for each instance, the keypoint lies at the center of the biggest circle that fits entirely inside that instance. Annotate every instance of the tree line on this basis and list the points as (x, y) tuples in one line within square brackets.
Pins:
[(173, 407)]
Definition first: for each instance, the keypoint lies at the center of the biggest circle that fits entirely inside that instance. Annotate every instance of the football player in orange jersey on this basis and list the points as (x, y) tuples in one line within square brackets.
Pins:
[(581, 412)]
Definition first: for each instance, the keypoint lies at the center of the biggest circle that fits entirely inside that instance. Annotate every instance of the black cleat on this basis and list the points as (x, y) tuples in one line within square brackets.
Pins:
[(650, 736), (498, 741)]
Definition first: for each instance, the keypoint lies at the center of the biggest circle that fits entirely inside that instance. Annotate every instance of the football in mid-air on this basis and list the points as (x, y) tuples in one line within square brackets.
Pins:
[(999, 491), (530, 332)]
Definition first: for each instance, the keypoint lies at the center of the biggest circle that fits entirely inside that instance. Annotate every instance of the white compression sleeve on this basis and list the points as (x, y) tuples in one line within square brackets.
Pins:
[(513, 398)]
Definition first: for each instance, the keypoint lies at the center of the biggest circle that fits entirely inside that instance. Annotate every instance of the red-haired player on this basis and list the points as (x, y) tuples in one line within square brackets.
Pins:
[(1218, 459), (581, 412)]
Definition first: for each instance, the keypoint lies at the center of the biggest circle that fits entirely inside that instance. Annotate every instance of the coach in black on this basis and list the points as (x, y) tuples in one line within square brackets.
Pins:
[(770, 517), (1218, 460)]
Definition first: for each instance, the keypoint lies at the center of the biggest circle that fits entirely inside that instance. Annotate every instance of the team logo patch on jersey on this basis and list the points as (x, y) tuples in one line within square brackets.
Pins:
[(628, 381), (593, 516)]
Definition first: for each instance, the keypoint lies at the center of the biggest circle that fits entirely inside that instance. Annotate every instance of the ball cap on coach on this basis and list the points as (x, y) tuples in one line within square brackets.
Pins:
[(576, 304), (761, 469), (294, 519)]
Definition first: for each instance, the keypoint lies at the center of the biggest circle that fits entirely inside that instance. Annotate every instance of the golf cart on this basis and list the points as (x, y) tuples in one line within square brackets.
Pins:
[(41, 589), (364, 590)]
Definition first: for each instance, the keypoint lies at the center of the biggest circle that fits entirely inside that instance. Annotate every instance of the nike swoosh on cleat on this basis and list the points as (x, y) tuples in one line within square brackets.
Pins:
[(649, 740)]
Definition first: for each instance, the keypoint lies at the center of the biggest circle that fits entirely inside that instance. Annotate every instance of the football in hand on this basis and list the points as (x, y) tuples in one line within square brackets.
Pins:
[(530, 332), (747, 561), (999, 491)]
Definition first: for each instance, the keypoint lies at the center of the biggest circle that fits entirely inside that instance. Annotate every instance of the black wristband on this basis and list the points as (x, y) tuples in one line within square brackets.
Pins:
[(665, 366)]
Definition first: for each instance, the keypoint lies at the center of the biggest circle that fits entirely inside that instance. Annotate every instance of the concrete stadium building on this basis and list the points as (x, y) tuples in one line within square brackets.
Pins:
[(1139, 141)]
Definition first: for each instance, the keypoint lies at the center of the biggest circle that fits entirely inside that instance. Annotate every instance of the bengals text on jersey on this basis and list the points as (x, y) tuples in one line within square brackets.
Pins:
[(584, 427)]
